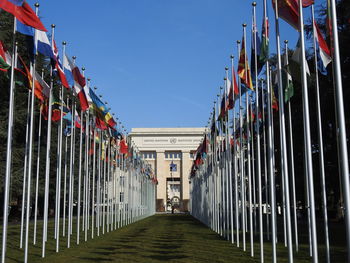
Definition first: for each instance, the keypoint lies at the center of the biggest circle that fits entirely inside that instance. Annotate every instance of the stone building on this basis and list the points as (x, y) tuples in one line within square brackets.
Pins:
[(170, 151)]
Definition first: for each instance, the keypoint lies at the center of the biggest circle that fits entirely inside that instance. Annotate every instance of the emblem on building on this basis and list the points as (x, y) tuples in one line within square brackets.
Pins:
[(173, 140)]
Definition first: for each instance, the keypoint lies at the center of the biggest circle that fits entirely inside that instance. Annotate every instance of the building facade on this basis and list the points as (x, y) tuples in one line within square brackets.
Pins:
[(170, 151)]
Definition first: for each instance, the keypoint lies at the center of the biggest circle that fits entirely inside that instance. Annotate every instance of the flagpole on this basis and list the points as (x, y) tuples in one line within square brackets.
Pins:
[(87, 139), (48, 151), (25, 167), (266, 30), (261, 229), (37, 174), (242, 156), (9, 145), (30, 149), (65, 169), (80, 172), (99, 184), (248, 156), (308, 136), (64, 43), (283, 137), (59, 169), (265, 160), (230, 155), (320, 142), (342, 141), (71, 169), (235, 159), (291, 153), (93, 183), (271, 168)]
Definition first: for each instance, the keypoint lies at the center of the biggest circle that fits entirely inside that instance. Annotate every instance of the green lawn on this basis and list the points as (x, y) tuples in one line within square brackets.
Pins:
[(170, 238)]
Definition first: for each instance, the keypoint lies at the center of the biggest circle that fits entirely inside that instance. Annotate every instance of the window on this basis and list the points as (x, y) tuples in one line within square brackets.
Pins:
[(192, 153), (173, 155), (149, 155)]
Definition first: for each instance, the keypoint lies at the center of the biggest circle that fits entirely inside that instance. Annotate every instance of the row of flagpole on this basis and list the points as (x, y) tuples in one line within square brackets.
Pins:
[(231, 157), (116, 186)]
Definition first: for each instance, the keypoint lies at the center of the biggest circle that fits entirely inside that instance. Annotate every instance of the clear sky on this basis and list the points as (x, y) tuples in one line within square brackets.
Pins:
[(158, 63)]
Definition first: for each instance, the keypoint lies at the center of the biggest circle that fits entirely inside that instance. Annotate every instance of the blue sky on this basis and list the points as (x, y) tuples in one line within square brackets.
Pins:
[(158, 63)]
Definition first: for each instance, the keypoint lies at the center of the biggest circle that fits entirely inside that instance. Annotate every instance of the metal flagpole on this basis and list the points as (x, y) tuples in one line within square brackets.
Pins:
[(87, 117), (71, 166), (283, 139), (248, 158), (48, 153), (265, 160), (9, 146), (234, 169), (25, 167), (320, 143), (93, 183), (37, 174), (291, 153), (30, 149), (307, 137), (65, 173), (258, 157), (231, 168), (241, 157), (266, 29), (99, 184), (271, 168), (79, 175), (59, 175), (65, 160), (342, 141)]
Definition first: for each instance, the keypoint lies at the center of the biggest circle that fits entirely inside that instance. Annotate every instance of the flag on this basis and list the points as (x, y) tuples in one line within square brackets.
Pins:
[(56, 64), (243, 68), (255, 52), (77, 121), (288, 10), (101, 110), (23, 12), (4, 63), (123, 146), (287, 81), (41, 88), (322, 50), (59, 109), (296, 57), (67, 71), (264, 47), (274, 100), (43, 45), (72, 71)]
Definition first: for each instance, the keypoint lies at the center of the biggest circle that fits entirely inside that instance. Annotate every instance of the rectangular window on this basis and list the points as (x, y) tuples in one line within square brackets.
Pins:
[(149, 155), (173, 155)]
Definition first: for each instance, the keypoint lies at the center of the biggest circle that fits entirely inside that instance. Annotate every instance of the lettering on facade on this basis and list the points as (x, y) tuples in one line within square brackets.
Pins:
[(173, 140)]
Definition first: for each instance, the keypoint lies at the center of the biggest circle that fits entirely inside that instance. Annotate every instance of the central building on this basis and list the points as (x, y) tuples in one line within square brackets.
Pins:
[(170, 152)]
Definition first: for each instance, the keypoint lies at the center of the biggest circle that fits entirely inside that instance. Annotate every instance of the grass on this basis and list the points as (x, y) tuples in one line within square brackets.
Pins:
[(170, 238)]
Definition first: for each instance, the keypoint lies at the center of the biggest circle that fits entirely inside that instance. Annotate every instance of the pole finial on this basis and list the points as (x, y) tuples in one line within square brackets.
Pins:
[(83, 68), (244, 25), (64, 43), (53, 25), (74, 57), (226, 68), (36, 4), (254, 3), (286, 41), (238, 41), (232, 57)]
